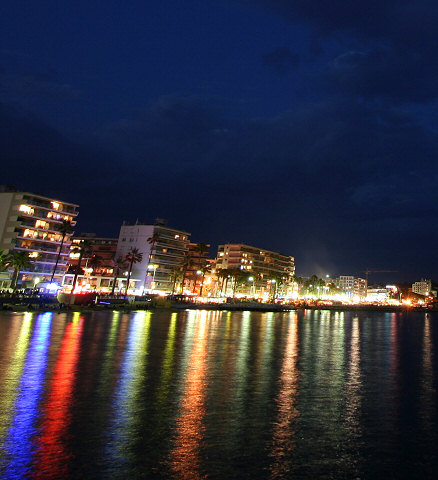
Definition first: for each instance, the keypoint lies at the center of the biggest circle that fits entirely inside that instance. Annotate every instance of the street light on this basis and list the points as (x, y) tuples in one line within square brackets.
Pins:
[(154, 268), (251, 279)]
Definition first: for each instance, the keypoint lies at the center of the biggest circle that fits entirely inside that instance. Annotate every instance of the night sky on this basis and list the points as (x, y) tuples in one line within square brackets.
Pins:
[(306, 127)]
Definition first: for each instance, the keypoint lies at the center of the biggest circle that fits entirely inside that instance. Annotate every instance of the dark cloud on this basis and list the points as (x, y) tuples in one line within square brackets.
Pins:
[(35, 86), (288, 183), (391, 52), (281, 59), (305, 172)]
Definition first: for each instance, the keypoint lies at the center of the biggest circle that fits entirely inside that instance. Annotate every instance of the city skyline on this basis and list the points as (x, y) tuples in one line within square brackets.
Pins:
[(304, 128)]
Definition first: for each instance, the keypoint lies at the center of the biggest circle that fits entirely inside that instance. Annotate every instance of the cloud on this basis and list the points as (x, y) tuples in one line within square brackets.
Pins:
[(20, 86), (281, 59), (328, 174), (391, 54)]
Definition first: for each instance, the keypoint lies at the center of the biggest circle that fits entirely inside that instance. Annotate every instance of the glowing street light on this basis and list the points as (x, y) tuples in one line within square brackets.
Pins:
[(251, 279), (154, 268)]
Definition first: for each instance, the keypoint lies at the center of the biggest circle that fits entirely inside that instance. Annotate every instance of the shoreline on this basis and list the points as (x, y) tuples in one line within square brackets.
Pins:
[(233, 307)]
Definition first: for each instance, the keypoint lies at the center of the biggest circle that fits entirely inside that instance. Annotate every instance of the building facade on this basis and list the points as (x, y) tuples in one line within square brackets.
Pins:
[(101, 254), (423, 287), (352, 286), (30, 222), (266, 272), (163, 252)]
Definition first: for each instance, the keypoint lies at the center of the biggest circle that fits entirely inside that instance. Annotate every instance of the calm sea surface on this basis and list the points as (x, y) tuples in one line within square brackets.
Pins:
[(218, 395)]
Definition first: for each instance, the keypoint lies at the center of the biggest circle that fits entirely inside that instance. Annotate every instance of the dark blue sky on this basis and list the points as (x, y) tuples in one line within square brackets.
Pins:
[(307, 127)]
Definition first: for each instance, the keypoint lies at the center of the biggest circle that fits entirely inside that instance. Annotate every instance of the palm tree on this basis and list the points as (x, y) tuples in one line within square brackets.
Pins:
[(19, 261), (152, 240), (174, 274), (83, 248), (224, 274), (205, 269), (94, 262), (5, 261), (202, 249), (186, 264), (238, 275), (117, 266), (133, 256), (65, 228)]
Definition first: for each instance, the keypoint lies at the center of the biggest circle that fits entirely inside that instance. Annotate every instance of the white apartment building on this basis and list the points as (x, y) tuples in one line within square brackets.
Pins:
[(423, 287), (29, 222), (154, 272), (262, 265), (352, 286)]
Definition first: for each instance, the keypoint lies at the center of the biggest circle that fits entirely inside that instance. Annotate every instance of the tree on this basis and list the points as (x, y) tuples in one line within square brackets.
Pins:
[(152, 240), (186, 264), (5, 260), (238, 276), (132, 257), (65, 228), (94, 262), (202, 249), (118, 264), (206, 268), (224, 274), (83, 248), (174, 275), (19, 261)]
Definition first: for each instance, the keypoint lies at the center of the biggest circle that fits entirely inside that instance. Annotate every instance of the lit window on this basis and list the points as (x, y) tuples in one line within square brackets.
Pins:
[(33, 255), (164, 250), (176, 237), (41, 224), (26, 209), (56, 206)]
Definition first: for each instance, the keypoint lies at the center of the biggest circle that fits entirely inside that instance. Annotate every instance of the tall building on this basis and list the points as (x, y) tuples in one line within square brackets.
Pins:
[(269, 271), (163, 250), (29, 222), (101, 249), (352, 286), (423, 287)]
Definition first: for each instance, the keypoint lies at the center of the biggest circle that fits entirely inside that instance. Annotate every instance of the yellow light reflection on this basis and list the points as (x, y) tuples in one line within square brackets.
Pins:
[(9, 390), (283, 432), (190, 428), (167, 366)]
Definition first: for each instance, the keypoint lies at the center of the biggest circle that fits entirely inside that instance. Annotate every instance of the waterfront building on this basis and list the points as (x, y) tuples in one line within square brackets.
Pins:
[(264, 273), (30, 222), (97, 264), (163, 249), (352, 286), (423, 287), (100, 256)]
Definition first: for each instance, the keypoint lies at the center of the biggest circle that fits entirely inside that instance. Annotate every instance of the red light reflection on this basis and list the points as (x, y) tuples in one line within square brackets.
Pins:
[(52, 455)]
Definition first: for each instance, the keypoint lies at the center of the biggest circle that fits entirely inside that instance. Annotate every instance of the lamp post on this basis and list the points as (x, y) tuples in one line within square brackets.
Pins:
[(251, 279), (154, 268), (198, 272)]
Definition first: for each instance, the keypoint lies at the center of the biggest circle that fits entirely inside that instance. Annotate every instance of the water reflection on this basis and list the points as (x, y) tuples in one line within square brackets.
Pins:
[(185, 456), (353, 396), (283, 441), (12, 370), (125, 426), (19, 443), (52, 453), (218, 395)]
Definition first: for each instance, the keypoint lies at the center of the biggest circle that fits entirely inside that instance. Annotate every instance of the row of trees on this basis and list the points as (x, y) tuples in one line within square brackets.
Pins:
[(18, 260)]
